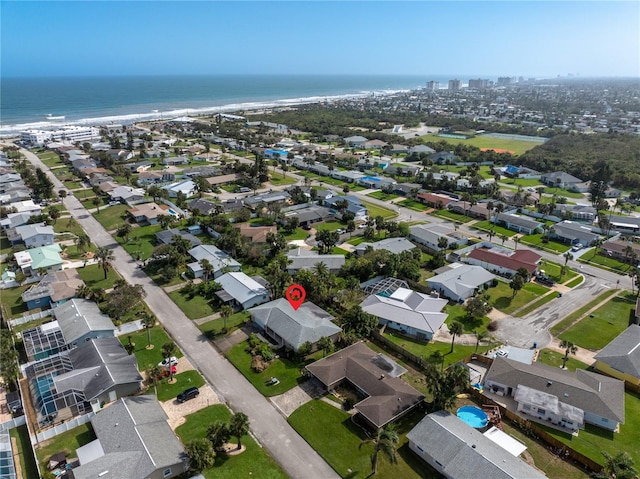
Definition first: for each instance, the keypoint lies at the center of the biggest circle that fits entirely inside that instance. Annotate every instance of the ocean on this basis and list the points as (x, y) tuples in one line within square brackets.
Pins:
[(101, 100)]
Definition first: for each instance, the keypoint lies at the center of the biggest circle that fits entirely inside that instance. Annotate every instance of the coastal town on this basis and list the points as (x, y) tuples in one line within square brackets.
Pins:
[(468, 255)]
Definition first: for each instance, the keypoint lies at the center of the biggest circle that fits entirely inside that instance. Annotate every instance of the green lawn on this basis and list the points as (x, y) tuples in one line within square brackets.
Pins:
[(554, 358), (110, 217), (53, 161), (142, 241), (536, 304), (72, 185), (194, 308), (517, 146), (68, 225), (381, 195), (457, 217), (277, 180), (602, 325), (24, 451), (84, 194), (537, 239), (214, 327), (331, 432), (329, 225), (5, 246), (498, 230), (522, 182), (375, 211), (288, 372), (592, 439), (568, 320), (412, 205), (183, 380), (254, 461), (425, 350), (599, 260), (148, 358), (554, 270), (67, 441), (565, 193), (93, 276), (11, 300), (298, 234), (456, 312), (575, 282), (501, 297), (357, 240)]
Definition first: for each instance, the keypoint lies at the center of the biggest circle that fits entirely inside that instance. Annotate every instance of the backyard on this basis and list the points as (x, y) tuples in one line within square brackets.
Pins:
[(66, 442), (24, 451), (253, 461), (338, 440), (600, 327), (12, 304)]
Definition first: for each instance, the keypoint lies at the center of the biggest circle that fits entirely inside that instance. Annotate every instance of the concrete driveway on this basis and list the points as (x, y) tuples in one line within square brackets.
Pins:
[(177, 412), (288, 402)]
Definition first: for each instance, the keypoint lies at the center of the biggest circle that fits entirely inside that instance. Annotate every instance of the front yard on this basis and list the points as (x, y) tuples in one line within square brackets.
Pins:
[(215, 327), (193, 307), (149, 358), (338, 440), (93, 276), (142, 241), (450, 215), (501, 297), (254, 461), (110, 217)]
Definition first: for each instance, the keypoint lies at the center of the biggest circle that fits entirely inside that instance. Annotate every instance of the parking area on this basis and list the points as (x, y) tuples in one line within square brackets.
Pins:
[(178, 411), (294, 398)]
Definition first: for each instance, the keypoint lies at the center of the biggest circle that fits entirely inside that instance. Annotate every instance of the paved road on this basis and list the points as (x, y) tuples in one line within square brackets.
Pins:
[(295, 456)]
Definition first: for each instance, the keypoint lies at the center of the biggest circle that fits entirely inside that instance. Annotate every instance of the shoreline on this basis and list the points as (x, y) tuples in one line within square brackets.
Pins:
[(13, 130)]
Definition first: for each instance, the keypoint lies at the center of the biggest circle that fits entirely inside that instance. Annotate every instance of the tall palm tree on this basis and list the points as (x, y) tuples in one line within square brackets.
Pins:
[(148, 321), (207, 268), (225, 312), (480, 336), (569, 348), (385, 441), (456, 329), (104, 257), (239, 426), (168, 349), (567, 257)]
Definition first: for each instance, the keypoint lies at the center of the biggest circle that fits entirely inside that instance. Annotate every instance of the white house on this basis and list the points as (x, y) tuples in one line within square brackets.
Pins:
[(429, 235), (186, 187), (460, 281), (241, 291), (33, 235), (220, 261)]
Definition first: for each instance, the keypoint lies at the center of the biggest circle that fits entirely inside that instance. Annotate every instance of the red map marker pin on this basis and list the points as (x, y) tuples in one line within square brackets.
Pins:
[(295, 295)]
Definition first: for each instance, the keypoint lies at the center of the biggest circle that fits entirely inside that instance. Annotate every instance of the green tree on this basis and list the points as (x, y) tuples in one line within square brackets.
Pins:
[(444, 386), (239, 426), (477, 307), (54, 214), (480, 336), (305, 349), (455, 329), (148, 321), (97, 201), (207, 268), (569, 348), (168, 350), (326, 345), (567, 257), (358, 322), (443, 243), (620, 466), (386, 441), (516, 284), (326, 240), (123, 231), (104, 257), (201, 454), (218, 434), (225, 313)]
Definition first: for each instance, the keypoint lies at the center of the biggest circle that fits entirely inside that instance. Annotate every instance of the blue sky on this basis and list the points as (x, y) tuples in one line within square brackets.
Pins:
[(542, 38)]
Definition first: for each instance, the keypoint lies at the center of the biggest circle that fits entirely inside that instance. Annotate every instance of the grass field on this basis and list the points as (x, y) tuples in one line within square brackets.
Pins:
[(148, 358), (567, 321), (93, 276), (602, 325), (254, 461), (375, 211), (382, 196), (331, 432), (194, 308), (517, 146), (110, 217), (554, 358)]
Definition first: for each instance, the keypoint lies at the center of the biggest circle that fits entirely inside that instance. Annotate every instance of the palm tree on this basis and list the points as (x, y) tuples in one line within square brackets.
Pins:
[(225, 312), (569, 348), (443, 243), (620, 466), (567, 257), (325, 344), (207, 268), (480, 336), (148, 321), (239, 426), (168, 349), (385, 441), (96, 202), (455, 329), (104, 257)]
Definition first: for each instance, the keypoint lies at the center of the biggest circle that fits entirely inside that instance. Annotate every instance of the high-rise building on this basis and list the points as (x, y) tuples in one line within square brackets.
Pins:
[(478, 83), (454, 85), (433, 85), (502, 81)]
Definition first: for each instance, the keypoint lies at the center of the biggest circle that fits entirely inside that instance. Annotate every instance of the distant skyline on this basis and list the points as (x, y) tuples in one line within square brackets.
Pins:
[(478, 38)]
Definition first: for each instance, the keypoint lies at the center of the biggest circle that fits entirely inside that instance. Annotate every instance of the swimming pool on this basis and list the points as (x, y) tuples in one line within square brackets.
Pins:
[(371, 178), (473, 416)]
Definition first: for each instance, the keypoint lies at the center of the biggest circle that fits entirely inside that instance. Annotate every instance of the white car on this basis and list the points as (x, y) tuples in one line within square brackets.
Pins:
[(166, 362), (577, 247), (502, 353)]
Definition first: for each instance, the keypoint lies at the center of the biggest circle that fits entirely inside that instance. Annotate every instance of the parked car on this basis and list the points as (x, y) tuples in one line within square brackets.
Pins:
[(577, 247), (166, 362), (187, 394), (502, 353)]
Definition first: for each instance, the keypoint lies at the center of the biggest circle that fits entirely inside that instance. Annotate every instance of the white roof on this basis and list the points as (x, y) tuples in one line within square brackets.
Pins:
[(241, 287), (462, 278), (506, 442)]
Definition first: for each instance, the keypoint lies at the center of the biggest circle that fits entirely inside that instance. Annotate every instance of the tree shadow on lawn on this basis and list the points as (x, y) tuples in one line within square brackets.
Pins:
[(503, 302)]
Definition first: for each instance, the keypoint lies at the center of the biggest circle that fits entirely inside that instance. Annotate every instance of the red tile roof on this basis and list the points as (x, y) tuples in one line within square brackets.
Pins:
[(519, 259)]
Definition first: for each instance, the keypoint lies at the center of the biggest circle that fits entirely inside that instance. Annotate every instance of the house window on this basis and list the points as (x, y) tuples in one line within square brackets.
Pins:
[(166, 472), (542, 411), (526, 407)]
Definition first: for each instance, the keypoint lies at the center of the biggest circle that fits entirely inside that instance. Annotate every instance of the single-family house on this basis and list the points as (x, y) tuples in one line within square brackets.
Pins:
[(148, 213), (377, 182), (436, 200), (256, 234), (266, 199), (350, 204), (346, 175), (403, 170), (241, 291), (127, 194), (219, 260), (168, 237), (461, 281), (53, 289), (576, 212), (374, 375), (45, 258), (621, 357), (175, 161), (186, 187), (32, 235), (392, 245), (620, 250), (134, 440), (355, 141), (150, 177), (408, 312), (310, 214), (407, 189), (217, 181), (503, 261), (459, 451), (291, 328), (76, 381), (26, 206), (521, 224), (14, 220), (80, 320), (625, 224), (560, 397), (205, 207), (430, 235), (443, 157), (479, 210), (559, 179), (573, 233), (304, 259)]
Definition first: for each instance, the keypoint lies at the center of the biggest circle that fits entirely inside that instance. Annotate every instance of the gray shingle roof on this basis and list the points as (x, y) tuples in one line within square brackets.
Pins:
[(623, 353), (464, 452), (393, 245), (308, 323), (241, 287), (136, 440), (588, 391), (305, 259), (78, 317), (462, 278)]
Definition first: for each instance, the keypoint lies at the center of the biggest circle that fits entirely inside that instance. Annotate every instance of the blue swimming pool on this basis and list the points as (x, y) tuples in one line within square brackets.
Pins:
[(473, 416), (371, 178)]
